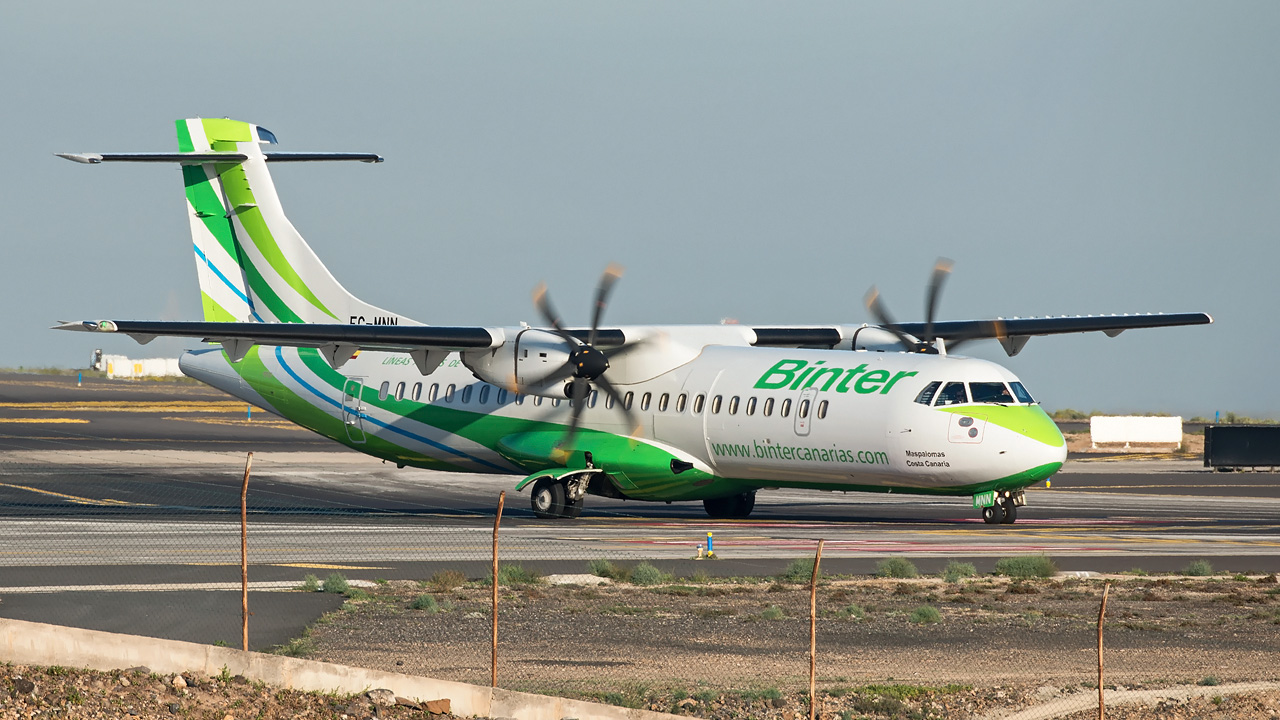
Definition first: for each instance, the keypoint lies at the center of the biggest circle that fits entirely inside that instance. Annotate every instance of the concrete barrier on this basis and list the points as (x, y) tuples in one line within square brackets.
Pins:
[(28, 643), (1135, 429)]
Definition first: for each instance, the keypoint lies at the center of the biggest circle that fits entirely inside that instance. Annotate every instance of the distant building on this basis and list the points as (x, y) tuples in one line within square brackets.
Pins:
[(119, 366)]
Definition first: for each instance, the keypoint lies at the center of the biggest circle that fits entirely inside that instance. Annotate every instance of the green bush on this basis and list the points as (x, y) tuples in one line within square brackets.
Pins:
[(517, 574), (854, 611), (956, 570), (310, 583), (356, 593), (425, 602), (646, 574), (896, 568), (336, 584), (1026, 566), (773, 612), (926, 615), (602, 568), (799, 571), (1198, 568)]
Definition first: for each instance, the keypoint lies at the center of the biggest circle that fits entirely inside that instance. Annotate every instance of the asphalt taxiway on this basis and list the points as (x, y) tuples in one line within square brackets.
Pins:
[(120, 507)]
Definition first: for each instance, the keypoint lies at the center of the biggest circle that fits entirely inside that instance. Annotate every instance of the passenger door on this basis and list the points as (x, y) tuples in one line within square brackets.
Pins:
[(805, 410), (353, 409)]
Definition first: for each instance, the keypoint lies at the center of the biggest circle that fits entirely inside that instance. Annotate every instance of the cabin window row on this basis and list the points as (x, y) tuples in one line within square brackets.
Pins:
[(665, 402)]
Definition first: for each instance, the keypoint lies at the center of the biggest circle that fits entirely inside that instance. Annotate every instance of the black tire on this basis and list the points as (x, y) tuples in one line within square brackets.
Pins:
[(1010, 513), (573, 509), (746, 503), (547, 499), (993, 514)]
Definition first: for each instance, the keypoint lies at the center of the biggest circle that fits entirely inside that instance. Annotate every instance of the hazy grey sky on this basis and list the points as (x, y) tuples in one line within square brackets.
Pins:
[(762, 161)]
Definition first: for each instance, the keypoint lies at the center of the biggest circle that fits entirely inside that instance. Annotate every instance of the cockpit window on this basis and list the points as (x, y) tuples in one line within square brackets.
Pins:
[(953, 394), (990, 392), (926, 395), (1022, 394)]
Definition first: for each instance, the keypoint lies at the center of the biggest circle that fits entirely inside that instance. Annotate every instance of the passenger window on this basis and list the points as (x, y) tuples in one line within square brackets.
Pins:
[(555, 402), (990, 392), (715, 405), (767, 410), (434, 392), (484, 394), (591, 399), (751, 406), (953, 394), (822, 410), (926, 395), (626, 400), (384, 390), (537, 400), (519, 399), (608, 402), (399, 391), (681, 402), (698, 402), (644, 401), (417, 392), (502, 396), (733, 405), (803, 412), (663, 402), (785, 411), (466, 394), (1021, 393), (448, 394)]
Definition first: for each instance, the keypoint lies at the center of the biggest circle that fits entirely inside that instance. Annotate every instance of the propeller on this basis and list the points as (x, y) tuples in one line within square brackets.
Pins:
[(927, 343), (586, 365)]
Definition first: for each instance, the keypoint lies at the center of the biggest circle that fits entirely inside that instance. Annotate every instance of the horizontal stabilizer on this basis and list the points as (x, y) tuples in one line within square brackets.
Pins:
[(200, 158)]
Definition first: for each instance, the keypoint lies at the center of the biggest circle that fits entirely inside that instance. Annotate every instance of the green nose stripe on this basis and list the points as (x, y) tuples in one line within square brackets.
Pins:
[(1029, 420)]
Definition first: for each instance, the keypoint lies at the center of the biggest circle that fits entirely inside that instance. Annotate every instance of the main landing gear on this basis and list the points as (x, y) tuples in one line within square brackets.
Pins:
[(1004, 511), (736, 506), (552, 498)]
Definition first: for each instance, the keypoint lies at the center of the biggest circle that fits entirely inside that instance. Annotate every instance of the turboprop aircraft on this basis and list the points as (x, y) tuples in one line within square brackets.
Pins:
[(709, 413)]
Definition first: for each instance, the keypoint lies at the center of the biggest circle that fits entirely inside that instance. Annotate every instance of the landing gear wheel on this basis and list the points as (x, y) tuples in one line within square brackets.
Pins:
[(547, 499), (993, 514), (573, 509), (736, 506), (1010, 513)]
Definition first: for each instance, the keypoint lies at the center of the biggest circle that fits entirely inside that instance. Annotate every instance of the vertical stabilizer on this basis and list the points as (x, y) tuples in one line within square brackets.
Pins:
[(252, 263)]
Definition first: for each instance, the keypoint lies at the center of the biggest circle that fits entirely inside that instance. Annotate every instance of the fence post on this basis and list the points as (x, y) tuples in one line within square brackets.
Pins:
[(1102, 612), (244, 555), (813, 635), (493, 677)]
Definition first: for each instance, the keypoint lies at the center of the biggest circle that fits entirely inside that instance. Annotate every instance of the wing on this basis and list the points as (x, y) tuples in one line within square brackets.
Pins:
[(1013, 333)]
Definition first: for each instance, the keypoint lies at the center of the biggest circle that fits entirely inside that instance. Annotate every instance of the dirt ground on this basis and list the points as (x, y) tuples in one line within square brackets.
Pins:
[(1078, 443), (887, 648)]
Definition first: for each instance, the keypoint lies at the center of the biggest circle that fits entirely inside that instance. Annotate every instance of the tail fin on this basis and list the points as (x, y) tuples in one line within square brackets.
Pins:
[(251, 261)]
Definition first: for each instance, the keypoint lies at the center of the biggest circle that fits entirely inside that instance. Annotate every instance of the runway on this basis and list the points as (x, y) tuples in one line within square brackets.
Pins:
[(141, 501)]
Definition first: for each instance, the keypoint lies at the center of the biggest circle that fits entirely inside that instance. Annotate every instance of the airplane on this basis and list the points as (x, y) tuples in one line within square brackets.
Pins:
[(661, 413)]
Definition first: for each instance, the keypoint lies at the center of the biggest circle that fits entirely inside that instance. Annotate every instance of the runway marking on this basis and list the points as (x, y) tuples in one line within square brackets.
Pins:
[(321, 566), (218, 406), (241, 422), (168, 587), (76, 498), (43, 421)]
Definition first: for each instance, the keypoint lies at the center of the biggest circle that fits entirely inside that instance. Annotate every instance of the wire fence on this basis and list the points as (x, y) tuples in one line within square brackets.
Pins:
[(598, 622)]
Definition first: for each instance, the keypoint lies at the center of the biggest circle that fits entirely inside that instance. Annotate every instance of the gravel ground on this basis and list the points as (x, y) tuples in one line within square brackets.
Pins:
[(722, 649), (55, 692)]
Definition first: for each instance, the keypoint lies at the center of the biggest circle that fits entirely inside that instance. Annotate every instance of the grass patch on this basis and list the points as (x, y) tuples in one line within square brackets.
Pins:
[(925, 615), (310, 583), (755, 694), (1209, 681), (1198, 568), (1026, 566), (425, 602), (799, 571), (336, 584), (896, 567), (955, 571), (297, 647), (854, 611), (516, 574), (446, 580), (646, 574), (773, 612), (621, 610)]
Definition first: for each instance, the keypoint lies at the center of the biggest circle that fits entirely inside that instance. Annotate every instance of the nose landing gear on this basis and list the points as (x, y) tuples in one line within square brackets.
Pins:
[(1000, 508)]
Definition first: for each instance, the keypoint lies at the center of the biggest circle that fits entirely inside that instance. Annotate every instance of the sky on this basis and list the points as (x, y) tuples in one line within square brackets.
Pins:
[(767, 162)]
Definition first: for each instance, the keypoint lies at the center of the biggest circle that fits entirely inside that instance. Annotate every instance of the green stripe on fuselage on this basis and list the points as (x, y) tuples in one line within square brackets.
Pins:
[(1028, 420)]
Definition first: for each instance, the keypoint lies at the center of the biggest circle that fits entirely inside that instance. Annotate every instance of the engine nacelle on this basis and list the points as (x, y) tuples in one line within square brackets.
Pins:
[(875, 339), (521, 365)]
